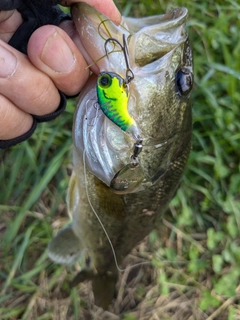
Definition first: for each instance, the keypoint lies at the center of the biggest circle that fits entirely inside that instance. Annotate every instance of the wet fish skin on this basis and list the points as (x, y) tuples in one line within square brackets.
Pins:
[(160, 105)]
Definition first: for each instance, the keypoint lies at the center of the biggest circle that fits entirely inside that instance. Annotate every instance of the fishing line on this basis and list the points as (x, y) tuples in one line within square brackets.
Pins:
[(100, 222)]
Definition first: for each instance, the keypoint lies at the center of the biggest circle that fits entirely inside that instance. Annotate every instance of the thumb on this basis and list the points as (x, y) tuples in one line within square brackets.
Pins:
[(52, 51)]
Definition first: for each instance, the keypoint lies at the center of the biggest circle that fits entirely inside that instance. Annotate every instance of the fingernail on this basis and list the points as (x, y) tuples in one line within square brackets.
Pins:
[(8, 63), (57, 55)]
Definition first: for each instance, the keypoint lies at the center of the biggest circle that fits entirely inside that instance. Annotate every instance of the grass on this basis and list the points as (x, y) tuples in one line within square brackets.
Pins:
[(195, 253)]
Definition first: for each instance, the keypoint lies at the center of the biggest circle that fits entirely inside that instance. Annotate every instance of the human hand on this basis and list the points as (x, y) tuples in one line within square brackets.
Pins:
[(30, 85)]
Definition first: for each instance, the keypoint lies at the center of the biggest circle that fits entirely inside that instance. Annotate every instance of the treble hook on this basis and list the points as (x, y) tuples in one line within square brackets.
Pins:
[(124, 47)]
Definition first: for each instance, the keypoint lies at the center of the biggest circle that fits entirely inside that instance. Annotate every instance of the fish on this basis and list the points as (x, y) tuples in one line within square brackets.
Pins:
[(123, 180)]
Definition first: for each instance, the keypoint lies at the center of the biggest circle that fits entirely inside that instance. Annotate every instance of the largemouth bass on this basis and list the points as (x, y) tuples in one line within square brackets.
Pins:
[(127, 163)]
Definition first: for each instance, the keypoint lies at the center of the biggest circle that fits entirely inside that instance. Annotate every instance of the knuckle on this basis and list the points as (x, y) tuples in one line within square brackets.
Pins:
[(13, 121), (45, 99)]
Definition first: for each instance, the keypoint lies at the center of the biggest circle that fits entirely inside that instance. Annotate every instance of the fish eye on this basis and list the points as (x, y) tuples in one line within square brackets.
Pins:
[(184, 81), (105, 80)]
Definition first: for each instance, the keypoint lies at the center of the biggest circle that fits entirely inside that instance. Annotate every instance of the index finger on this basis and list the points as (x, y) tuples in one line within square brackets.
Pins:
[(107, 7)]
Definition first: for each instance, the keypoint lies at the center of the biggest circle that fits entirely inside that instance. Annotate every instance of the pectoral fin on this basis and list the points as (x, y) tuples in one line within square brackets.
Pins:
[(65, 247)]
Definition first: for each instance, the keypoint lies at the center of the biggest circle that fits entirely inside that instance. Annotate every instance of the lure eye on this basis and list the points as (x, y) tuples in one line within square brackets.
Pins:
[(184, 81), (105, 80)]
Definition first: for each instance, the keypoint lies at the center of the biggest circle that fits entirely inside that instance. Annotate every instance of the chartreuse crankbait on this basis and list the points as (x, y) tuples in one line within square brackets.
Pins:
[(113, 95)]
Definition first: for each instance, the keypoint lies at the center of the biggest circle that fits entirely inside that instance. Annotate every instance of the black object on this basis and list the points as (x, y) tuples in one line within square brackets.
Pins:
[(14, 4), (184, 81), (36, 119), (35, 13), (9, 4)]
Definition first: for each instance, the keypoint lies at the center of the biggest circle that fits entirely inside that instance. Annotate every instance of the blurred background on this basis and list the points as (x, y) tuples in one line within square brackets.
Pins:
[(195, 253)]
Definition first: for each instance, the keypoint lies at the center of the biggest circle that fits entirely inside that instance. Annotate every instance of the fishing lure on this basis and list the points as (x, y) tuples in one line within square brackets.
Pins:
[(113, 93)]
